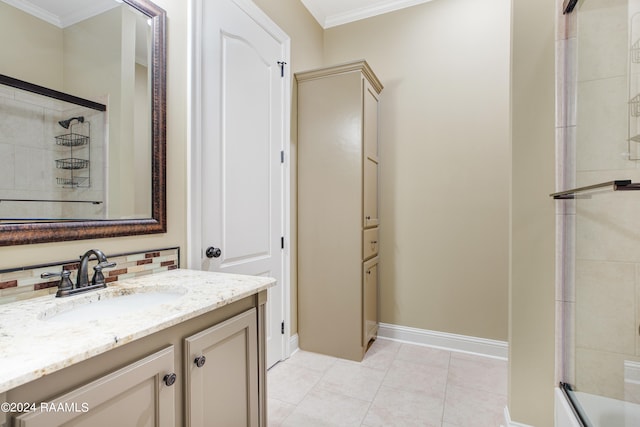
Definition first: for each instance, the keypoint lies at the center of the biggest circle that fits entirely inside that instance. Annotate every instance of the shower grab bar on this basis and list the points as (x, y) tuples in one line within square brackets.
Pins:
[(95, 202), (618, 185)]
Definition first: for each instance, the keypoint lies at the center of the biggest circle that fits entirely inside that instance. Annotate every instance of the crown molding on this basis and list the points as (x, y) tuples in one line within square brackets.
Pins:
[(377, 8), (88, 9), (36, 11)]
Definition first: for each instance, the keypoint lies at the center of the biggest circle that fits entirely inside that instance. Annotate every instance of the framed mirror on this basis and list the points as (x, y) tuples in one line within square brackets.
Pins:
[(82, 149)]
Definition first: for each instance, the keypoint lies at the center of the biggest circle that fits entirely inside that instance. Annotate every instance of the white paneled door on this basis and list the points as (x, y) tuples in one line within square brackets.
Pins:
[(242, 124)]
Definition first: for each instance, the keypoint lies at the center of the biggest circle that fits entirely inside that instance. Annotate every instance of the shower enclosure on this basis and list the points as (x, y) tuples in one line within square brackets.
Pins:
[(598, 147)]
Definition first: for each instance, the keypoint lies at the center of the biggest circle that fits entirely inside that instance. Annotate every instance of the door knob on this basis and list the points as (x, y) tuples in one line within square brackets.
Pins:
[(200, 361), (213, 252), (170, 379)]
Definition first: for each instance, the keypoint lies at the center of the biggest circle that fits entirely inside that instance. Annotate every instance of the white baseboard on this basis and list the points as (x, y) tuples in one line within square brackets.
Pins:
[(460, 343), (293, 344), (508, 422)]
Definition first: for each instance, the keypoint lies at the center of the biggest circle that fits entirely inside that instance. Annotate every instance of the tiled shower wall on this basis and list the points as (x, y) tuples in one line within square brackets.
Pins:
[(598, 236), (28, 153), (24, 283)]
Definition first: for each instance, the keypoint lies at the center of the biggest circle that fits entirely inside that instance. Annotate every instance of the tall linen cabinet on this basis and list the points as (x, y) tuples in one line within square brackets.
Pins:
[(338, 209)]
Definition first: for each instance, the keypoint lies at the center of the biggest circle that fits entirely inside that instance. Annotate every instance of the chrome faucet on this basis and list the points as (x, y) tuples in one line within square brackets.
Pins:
[(66, 287)]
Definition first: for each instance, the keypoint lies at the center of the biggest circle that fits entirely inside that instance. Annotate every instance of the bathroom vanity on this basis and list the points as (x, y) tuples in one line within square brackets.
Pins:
[(175, 348)]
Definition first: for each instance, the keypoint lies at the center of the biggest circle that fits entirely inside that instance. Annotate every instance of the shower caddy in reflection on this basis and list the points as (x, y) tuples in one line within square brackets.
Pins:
[(634, 88), (79, 175)]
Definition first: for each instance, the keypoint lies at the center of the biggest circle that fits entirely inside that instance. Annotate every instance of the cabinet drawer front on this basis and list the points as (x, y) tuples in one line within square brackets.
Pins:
[(369, 243)]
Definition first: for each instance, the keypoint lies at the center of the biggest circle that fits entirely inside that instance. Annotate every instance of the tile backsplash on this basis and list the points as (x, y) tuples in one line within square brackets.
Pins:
[(23, 283)]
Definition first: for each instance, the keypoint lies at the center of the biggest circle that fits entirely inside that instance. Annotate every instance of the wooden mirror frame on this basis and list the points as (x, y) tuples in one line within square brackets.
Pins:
[(41, 232)]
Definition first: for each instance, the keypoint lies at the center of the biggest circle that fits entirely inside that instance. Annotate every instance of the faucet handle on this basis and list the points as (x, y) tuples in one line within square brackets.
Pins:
[(65, 282), (98, 277), (105, 264)]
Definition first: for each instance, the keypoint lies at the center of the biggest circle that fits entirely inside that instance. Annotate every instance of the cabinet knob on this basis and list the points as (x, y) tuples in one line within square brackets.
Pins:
[(213, 252), (200, 361), (170, 379)]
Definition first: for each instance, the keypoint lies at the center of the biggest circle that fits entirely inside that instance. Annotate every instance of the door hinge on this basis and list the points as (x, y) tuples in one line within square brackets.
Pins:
[(282, 64), (282, 328), (282, 156), (282, 242)]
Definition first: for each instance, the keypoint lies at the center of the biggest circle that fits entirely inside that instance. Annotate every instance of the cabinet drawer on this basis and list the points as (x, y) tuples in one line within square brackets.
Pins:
[(369, 243)]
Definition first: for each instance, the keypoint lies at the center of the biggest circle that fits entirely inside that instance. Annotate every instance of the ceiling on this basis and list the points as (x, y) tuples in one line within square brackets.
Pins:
[(63, 13), (330, 13)]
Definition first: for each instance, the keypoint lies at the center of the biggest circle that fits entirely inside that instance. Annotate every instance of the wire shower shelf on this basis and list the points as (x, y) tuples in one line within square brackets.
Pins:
[(72, 163), (72, 140)]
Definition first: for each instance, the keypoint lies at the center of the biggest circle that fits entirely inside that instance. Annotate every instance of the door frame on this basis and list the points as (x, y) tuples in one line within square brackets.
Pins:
[(194, 148)]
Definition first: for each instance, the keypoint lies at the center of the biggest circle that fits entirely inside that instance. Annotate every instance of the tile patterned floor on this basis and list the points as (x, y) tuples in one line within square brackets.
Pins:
[(395, 385)]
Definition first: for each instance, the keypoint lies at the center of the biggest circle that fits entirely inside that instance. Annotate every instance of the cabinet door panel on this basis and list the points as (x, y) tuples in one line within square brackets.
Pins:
[(134, 395), (370, 301), (370, 193), (370, 160), (224, 391), (370, 127)]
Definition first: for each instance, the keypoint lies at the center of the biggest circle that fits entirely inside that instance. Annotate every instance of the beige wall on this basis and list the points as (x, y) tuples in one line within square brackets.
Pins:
[(444, 175), (444, 171), (41, 65), (16, 256), (142, 136), (305, 32), (306, 53), (532, 306), (99, 59)]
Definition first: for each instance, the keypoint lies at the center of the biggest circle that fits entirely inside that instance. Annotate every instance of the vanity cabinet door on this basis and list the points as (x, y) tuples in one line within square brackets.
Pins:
[(134, 395), (222, 374)]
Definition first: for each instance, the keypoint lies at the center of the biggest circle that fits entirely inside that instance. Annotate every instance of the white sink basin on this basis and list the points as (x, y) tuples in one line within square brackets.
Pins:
[(108, 305)]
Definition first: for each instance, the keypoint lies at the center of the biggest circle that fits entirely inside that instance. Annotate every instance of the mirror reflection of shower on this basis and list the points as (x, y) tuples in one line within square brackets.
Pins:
[(66, 123)]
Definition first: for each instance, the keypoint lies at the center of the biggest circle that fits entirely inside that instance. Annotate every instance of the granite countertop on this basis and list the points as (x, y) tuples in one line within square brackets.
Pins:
[(34, 343)]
